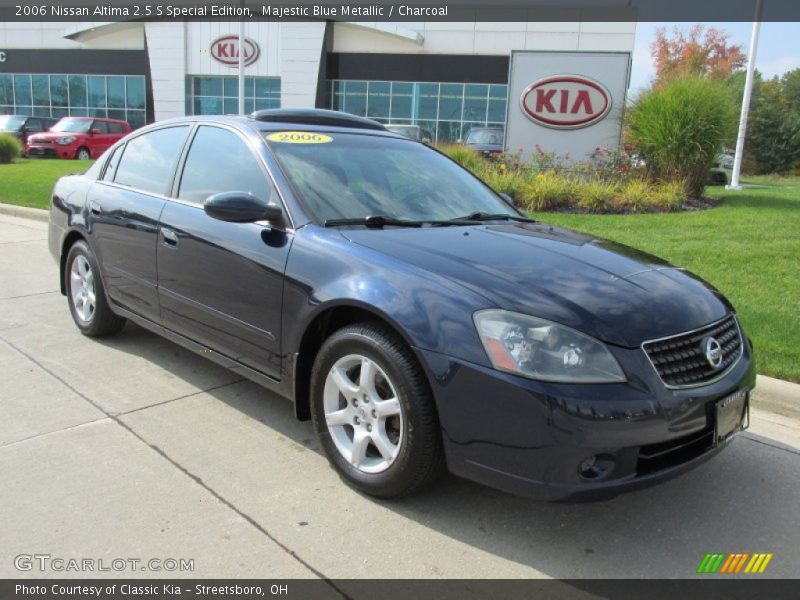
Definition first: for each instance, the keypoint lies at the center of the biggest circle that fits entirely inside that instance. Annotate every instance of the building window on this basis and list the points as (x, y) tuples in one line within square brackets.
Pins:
[(449, 110), (213, 95), (112, 96)]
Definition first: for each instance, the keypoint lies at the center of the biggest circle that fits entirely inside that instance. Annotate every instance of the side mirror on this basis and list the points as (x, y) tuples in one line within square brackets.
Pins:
[(426, 140), (241, 207)]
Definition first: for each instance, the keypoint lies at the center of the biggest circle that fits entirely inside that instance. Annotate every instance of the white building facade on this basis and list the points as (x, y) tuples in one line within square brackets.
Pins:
[(447, 77)]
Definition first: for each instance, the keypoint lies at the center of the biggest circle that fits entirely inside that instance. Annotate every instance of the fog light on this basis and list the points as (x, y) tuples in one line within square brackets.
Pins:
[(596, 467), (587, 465)]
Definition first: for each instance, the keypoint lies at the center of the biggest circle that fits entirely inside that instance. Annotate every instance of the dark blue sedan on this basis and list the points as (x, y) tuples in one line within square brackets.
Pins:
[(415, 316)]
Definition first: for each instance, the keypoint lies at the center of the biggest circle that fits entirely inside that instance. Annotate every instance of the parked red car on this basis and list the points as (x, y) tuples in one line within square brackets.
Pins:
[(78, 137)]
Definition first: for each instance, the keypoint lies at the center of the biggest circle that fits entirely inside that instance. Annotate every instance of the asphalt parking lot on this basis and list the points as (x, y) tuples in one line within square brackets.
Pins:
[(134, 447)]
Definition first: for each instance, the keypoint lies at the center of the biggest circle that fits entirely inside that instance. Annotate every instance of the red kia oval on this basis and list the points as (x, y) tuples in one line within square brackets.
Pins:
[(225, 50), (566, 101)]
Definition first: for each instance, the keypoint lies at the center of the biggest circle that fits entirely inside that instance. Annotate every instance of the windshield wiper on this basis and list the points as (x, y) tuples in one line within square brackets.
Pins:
[(375, 222), (482, 216)]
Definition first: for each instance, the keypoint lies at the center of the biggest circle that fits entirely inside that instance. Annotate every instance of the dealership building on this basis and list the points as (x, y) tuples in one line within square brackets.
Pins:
[(447, 77)]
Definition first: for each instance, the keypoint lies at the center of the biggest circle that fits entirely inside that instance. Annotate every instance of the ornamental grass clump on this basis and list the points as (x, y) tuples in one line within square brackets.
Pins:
[(10, 148), (678, 129)]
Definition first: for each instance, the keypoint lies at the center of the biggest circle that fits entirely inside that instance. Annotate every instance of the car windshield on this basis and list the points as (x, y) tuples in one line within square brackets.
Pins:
[(493, 137), (73, 125), (352, 176), (11, 122)]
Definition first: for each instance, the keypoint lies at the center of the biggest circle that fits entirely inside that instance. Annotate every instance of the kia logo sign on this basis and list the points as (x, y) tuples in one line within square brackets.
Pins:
[(225, 49), (566, 101)]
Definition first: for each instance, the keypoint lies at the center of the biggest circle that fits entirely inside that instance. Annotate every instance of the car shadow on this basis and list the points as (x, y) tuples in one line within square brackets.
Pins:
[(743, 500)]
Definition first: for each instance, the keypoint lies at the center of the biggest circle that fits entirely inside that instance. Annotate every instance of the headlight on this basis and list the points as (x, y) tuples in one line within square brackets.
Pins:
[(65, 141), (544, 350)]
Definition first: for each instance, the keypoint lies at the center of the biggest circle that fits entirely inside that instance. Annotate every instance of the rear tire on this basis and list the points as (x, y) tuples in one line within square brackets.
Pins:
[(86, 294), (380, 431)]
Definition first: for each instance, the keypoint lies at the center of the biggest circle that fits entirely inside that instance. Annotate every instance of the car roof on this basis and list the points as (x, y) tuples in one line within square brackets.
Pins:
[(299, 119)]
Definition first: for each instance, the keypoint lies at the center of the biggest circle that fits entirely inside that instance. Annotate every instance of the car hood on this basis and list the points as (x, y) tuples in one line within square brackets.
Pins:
[(51, 135), (610, 291)]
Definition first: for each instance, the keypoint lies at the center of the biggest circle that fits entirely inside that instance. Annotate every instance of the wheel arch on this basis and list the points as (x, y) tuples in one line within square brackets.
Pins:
[(71, 237), (326, 321)]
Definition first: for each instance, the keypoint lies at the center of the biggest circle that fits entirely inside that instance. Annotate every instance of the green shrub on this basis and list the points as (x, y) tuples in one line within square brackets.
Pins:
[(666, 195), (596, 195), (679, 128), (634, 195), (464, 155), (548, 190), (10, 148)]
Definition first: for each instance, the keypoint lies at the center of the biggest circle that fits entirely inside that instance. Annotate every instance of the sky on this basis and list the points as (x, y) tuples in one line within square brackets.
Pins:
[(778, 48)]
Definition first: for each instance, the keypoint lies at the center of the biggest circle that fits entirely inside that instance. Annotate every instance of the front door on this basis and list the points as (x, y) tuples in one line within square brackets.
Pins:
[(221, 284)]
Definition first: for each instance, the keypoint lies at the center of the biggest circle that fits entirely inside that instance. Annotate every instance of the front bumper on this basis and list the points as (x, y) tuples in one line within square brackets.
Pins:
[(50, 151), (530, 438)]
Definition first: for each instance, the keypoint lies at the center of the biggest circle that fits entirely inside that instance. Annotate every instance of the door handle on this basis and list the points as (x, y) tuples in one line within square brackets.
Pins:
[(170, 237)]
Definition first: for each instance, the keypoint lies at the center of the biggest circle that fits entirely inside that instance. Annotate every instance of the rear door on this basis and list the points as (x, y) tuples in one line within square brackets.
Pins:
[(220, 283), (100, 139), (124, 207)]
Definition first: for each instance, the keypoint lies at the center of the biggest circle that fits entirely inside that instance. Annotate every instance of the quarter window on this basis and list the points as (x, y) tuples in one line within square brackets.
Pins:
[(148, 159), (219, 161), (113, 163)]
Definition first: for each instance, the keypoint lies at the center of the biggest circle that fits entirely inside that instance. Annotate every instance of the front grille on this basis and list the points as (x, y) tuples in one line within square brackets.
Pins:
[(656, 457), (41, 141), (681, 360)]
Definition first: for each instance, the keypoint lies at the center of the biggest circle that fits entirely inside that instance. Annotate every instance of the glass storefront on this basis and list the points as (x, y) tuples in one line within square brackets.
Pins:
[(113, 96), (213, 95), (448, 110)]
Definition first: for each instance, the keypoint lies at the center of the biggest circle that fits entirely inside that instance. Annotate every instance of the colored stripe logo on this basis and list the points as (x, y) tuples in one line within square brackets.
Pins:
[(737, 562)]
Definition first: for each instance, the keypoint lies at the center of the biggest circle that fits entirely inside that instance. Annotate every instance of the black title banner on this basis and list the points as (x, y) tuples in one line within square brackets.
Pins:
[(414, 10), (396, 589)]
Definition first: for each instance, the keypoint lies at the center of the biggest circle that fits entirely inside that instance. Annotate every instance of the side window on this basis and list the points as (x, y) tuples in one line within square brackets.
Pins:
[(147, 161), (116, 128), (34, 125), (101, 126), (113, 163), (219, 161)]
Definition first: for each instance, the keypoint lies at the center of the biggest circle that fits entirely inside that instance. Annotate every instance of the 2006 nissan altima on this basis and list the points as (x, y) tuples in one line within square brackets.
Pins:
[(413, 314)]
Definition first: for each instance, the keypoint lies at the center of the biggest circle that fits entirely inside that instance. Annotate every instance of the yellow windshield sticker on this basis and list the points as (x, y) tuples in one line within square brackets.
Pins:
[(299, 137)]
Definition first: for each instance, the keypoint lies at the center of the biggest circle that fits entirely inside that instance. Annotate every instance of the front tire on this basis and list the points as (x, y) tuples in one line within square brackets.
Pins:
[(374, 413), (86, 295), (83, 154)]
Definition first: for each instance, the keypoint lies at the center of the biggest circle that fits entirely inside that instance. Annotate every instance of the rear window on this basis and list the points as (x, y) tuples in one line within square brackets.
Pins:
[(485, 136), (148, 159)]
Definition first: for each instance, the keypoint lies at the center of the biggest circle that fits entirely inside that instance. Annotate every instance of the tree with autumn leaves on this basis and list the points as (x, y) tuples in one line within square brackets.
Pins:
[(706, 54), (701, 52)]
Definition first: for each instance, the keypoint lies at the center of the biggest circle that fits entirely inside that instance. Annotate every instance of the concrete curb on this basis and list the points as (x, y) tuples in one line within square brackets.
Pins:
[(777, 396), (774, 395), (12, 210)]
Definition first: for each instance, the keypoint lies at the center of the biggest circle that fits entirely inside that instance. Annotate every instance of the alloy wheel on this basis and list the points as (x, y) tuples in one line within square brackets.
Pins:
[(363, 413), (82, 288)]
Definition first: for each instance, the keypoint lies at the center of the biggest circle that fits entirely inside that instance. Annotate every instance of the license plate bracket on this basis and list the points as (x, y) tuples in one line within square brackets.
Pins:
[(732, 415)]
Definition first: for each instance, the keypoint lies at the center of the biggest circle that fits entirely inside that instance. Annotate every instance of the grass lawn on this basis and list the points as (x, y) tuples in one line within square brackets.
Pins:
[(748, 247), (28, 182)]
